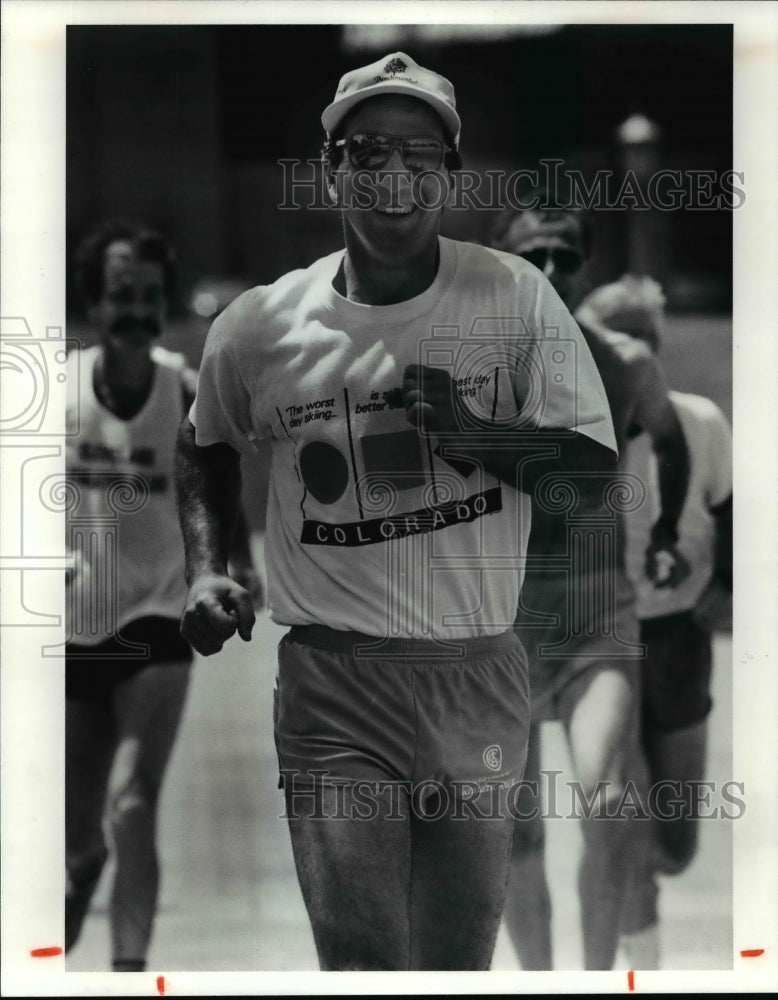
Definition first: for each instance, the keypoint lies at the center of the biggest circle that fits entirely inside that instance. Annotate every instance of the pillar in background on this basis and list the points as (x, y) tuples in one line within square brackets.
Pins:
[(143, 135), (640, 155)]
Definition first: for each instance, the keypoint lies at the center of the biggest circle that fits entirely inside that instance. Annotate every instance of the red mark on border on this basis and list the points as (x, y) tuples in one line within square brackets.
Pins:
[(630, 980), (752, 952), (46, 952), (161, 985)]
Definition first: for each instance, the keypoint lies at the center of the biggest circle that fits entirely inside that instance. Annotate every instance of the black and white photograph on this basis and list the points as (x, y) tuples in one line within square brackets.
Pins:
[(388, 455)]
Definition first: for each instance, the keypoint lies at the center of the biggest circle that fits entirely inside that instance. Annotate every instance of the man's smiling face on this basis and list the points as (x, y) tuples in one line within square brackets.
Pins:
[(394, 224)]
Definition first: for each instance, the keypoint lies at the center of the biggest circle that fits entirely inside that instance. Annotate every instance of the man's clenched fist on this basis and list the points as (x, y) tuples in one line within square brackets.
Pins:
[(430, 399), (216, 607)]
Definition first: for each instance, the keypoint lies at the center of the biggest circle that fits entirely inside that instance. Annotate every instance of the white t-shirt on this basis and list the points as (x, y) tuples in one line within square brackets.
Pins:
[(370, 526), (122, 523), (709, 440)]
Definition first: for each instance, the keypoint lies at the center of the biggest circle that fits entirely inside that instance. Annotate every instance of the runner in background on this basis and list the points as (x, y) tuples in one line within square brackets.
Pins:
[(676, 624), (127, 668), (577, 617)]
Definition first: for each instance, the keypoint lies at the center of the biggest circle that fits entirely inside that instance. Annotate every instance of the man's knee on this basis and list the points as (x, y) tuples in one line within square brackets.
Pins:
[(613, 812), (132, 804)]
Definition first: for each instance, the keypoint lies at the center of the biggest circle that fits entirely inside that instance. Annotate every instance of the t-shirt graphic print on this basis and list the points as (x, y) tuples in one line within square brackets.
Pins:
[(373, 526)]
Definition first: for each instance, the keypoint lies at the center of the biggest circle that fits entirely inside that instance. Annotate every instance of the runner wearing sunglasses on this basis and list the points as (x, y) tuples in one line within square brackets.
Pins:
[(395, 533), (371, 151), (592, 685)]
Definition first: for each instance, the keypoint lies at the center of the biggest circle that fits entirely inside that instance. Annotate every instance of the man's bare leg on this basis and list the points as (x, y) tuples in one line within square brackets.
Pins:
[(148, 709), (89, 745), (459, 875), (678, 756), (640, 917), (601, 726), (354, 872), (528, 903)]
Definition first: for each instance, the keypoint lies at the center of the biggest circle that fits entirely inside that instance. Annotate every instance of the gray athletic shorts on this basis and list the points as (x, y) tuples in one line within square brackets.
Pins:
[(351, 708)]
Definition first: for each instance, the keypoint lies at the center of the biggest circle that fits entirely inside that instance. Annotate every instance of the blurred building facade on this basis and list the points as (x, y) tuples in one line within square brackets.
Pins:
[(185, 126)]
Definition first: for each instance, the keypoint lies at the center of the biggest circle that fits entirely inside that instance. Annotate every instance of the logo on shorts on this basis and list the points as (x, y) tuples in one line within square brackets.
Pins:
[(492, 757)]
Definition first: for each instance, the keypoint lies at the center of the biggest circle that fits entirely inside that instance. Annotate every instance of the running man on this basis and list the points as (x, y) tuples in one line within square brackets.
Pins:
[(676, 624), (127, 667), (404, 382), (584, 657)]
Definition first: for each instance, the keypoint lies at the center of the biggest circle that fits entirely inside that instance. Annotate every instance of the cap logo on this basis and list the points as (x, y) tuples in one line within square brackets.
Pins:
[(395, 72), (395, 66)]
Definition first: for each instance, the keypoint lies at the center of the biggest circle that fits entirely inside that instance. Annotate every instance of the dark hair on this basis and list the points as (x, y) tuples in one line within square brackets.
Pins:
[(148, 245), (541, 201)]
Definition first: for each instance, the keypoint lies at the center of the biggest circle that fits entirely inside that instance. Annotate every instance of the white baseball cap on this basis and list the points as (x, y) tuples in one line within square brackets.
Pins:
[(396, 73)]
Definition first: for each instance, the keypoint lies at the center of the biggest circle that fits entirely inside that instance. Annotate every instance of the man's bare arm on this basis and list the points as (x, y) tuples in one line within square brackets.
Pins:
[(241, 563), (208, 484), (520, 460), (714, 606), (656, 415)]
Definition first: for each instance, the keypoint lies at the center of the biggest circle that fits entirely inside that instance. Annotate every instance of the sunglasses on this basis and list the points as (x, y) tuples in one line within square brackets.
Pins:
[(565, 261), (371, 151)]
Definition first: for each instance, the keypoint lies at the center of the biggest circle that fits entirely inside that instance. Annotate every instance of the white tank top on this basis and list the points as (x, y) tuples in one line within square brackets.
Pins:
[(709, 439), (122, 524)]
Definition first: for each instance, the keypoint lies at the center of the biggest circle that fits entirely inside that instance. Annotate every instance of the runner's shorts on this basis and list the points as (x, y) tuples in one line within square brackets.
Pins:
[(92, 672), (572, 630), (676, 673), (351, 708)]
